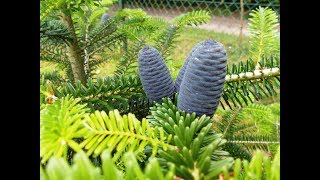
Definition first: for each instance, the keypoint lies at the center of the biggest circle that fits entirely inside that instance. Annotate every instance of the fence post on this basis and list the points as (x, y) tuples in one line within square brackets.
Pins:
[(241, 22), (120, 3)]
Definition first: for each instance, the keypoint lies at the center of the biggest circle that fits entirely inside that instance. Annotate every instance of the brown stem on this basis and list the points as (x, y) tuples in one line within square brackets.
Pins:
[(73, 49)]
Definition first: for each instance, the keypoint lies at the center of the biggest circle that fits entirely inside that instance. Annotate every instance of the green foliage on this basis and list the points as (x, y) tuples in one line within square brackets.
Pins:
[(194, 152), (167, 115), (119, 92), (66, 120), (152, 171), (192, 18), (99, 44), (53, 52), (120, 134), (54, 31), (102, 37), (56, 53), (82, 168), (105, 94), (249, 65), (52, 76), (264, 118), (244, 135), (275, 110), (47, 6), (134, 25), (264, 37), (60, 123), (142, 29), (87, 15), (47, 80), (260, 167), (198, 151), (93, 42), (82, 30), (131, 13), (138, 26), (244, 85), (128, 62), (138, 106), (166, 40), (44, 93)]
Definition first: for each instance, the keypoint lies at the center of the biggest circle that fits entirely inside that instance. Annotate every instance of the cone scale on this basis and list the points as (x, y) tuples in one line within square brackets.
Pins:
[(184, 67)]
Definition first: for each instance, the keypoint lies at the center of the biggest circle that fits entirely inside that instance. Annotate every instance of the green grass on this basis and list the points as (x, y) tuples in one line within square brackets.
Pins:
[(107, 69), (187, 39), (47, 66)]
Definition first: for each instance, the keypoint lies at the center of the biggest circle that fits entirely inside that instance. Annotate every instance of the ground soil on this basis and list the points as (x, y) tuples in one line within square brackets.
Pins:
[(225, 24)]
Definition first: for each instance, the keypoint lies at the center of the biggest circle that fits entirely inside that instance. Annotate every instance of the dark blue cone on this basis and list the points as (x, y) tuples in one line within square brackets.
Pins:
[(104, 18), (183, 68), (154, 74), (202, 84)]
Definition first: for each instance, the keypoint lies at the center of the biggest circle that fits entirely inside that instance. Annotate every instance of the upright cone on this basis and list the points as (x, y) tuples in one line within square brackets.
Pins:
[(154, 74), (104, 18), (202, 83)]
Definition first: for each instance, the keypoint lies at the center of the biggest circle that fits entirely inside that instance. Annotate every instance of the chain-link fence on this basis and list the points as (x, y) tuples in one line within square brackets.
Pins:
[(228, 16)]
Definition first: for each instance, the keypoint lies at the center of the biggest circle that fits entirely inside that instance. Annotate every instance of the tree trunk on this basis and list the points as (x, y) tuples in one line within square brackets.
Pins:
[(73, 49)]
